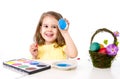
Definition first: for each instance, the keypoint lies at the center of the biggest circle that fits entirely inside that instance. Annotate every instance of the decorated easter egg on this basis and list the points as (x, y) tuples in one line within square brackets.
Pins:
[(94, 46), (101, 46), (102, 51), (62, 24), (112, 49)]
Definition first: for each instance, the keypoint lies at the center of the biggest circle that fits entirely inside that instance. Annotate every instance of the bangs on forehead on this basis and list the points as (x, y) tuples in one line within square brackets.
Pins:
[(53, 14)]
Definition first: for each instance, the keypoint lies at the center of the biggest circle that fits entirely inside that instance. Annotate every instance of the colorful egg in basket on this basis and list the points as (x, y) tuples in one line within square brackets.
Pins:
[(94, 46), (102, 51), (101, 56)]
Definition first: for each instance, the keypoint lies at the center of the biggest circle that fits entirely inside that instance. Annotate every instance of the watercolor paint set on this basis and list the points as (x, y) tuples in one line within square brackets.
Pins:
[(28, 66)]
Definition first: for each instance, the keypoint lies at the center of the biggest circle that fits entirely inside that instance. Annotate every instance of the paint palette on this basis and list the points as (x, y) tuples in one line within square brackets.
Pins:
[(65, 65), (26, 65)]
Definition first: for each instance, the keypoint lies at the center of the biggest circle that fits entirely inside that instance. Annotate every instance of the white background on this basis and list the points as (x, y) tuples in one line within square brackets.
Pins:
[(19, 18)]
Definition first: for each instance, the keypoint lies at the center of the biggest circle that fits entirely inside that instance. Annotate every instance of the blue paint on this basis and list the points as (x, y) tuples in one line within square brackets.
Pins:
[(62, 24), (34, 63), (63, 65)]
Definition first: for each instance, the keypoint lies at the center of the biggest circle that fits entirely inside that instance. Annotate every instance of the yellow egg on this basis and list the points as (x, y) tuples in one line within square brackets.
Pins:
[(101, 46)]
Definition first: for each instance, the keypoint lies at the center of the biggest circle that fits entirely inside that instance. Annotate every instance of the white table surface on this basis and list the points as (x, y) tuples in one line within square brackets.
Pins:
[(84, 70)]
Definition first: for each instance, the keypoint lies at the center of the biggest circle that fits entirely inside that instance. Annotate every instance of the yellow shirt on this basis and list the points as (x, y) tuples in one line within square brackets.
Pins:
[(49, 52)]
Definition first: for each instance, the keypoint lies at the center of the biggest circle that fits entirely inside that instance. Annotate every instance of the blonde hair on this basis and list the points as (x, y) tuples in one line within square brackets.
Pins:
[(39, 39)]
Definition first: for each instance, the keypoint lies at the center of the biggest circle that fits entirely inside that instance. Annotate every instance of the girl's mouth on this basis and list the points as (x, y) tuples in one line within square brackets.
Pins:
[(49, 35)]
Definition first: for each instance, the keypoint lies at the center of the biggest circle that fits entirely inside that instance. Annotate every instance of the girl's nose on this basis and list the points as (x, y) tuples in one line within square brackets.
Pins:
[(49, 29)]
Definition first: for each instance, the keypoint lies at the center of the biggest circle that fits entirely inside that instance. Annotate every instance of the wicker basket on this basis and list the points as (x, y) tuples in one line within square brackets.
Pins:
[(101, 60)]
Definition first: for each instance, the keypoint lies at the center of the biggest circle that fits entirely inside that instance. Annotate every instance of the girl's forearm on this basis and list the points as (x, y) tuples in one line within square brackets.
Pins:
[(71, 49)]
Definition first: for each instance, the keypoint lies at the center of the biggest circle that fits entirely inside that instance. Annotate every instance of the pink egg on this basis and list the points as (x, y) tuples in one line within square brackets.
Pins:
[(103, 51)]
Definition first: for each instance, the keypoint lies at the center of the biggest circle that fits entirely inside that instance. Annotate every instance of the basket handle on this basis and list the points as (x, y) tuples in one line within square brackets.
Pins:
[(106, 30)]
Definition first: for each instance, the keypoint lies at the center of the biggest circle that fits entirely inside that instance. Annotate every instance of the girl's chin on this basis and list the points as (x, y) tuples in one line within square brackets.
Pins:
[(50, 41)]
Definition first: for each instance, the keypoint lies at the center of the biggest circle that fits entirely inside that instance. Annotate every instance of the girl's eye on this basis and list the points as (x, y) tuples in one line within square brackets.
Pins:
[(54, 26), (45, 26)]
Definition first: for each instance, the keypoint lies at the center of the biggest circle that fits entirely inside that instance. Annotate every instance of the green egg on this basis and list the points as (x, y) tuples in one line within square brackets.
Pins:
[(94, 46)]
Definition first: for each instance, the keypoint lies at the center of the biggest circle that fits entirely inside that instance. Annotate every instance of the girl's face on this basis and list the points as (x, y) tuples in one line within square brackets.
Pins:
[(49, 29)]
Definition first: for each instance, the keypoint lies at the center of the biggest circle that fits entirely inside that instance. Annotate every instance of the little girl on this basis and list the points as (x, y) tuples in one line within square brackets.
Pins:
[(51, 42)]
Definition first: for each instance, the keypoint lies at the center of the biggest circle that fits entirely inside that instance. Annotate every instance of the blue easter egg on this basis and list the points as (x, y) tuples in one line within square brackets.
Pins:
[(94, 46), (62, 24)]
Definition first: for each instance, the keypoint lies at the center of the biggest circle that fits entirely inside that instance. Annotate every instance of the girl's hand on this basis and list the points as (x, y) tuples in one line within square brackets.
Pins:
[(34, 50)]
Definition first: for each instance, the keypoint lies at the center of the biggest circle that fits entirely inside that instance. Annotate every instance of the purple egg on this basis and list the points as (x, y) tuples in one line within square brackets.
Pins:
[(112, 49)]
